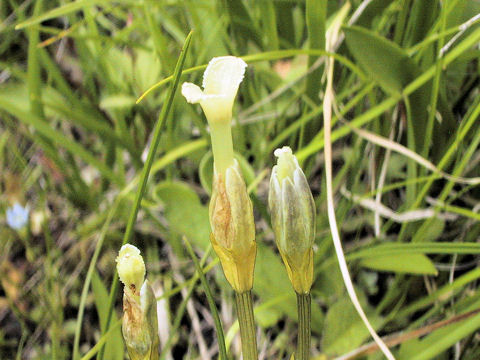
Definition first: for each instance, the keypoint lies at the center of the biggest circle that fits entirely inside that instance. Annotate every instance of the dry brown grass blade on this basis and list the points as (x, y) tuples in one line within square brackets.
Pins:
[(328, 101), (401, 337)]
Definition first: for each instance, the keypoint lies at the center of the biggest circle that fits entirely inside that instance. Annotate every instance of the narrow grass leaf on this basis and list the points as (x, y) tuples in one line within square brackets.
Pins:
[(327, 115), (401, 263), (316, 13), (114, 345), (210, 299), (146, 170), (60, 11), (58, 138)]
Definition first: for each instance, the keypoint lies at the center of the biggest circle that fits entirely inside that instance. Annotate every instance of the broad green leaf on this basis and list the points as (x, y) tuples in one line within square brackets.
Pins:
[(117, 101), (383, 60), (402, 263), (147, 69), (114, 345), (344, 330), (185, 213)]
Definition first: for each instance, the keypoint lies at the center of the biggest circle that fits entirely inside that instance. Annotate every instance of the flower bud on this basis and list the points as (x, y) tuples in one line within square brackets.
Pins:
[(292, 211), (233, 228), (139, 323), (130, 268)]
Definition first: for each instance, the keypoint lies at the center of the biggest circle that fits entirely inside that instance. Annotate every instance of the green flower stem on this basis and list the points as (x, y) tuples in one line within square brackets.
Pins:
[(304, 307), (222, 147), (247, 325)]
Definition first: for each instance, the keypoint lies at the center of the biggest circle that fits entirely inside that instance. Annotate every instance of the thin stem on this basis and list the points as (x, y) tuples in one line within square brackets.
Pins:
[(304, 306), (247, 325), (222, 147)]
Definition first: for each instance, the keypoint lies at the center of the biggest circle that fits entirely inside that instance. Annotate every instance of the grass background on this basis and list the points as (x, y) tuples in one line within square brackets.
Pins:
[(73, 143)]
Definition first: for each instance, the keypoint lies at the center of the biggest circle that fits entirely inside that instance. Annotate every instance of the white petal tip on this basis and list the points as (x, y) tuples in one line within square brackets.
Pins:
[(192, 93), (222, 68), (284, 150), (129, 249)]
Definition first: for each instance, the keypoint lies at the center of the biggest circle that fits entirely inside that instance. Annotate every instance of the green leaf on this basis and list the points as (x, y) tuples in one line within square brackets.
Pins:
[(117, 101), (402, 263), (205, 172), (157, 131), (59, 11), (383, 60), (58, 138), (416, 248), (210, 300), (316, 12), (440, 340), (433, 233), (114, 345), (185, 213), (344, 330)]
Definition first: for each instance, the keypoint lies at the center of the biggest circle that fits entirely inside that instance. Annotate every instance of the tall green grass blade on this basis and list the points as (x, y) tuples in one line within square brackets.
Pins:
[(114, 345), (60, 11), (316, 13), (101, 342), (211, 301), (183, 305), (269, 20), (317, 143), (34, 69), (159, 41), (86, 285), (146, 170), (59, 139), (416, 248)]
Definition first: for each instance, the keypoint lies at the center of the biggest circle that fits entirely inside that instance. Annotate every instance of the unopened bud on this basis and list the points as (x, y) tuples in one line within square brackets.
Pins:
[(292, 211), (131, 268), (139, 323), (233, 228)]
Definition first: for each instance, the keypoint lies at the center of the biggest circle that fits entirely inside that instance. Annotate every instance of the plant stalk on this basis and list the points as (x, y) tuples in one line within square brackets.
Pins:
[(304, 306), (247, 325)]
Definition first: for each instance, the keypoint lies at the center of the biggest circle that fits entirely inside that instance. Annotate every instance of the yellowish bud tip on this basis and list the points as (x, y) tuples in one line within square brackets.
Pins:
[(131, 268), (286, 164)]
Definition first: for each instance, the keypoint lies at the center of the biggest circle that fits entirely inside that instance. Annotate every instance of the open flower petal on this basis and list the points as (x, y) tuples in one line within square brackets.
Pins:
[(192, 93), (220, 82), (223, 76)]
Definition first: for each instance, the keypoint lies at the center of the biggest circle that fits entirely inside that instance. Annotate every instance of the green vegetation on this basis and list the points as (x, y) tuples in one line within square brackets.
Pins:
[(92, 164)]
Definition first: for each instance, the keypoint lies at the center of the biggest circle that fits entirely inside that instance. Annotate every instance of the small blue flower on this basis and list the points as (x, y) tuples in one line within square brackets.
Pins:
[(17, 216)]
